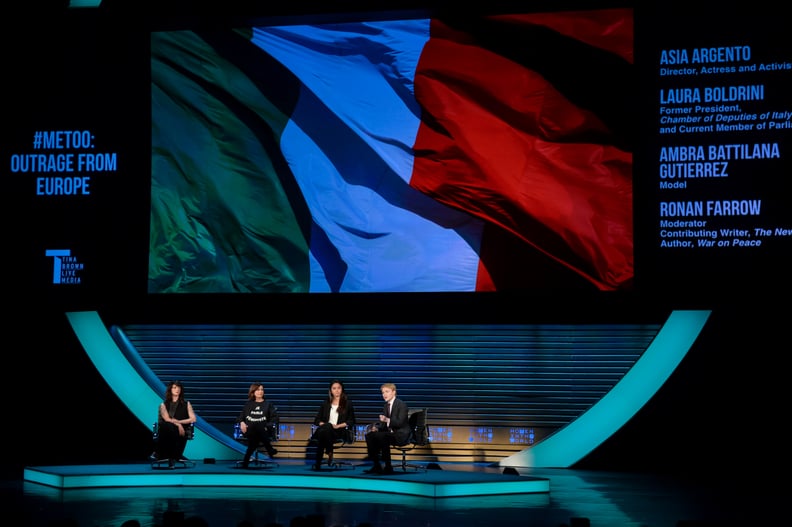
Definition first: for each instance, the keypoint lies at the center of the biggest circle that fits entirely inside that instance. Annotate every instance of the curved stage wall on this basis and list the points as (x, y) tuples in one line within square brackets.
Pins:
[(516, 395)]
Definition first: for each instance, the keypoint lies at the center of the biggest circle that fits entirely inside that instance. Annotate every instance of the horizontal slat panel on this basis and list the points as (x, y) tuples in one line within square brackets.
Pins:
[(504, 378)]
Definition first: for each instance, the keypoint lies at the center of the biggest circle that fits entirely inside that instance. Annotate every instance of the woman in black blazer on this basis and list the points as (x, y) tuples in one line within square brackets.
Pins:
[(334, 420)]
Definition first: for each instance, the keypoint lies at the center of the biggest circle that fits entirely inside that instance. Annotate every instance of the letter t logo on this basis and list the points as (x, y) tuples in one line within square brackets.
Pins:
[(57, 262)]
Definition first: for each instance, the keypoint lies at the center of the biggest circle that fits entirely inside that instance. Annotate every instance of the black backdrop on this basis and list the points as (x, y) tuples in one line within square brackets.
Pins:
[(721, 409)]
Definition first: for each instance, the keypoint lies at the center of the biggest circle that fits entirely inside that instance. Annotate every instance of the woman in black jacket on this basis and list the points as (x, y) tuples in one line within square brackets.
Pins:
[(334, 420)]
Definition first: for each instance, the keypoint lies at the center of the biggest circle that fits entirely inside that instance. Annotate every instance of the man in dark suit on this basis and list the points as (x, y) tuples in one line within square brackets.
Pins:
[(393, 428)]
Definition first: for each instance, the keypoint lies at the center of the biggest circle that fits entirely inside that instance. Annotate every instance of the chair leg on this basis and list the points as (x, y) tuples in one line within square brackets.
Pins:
[(405, 465), (333, 462), (257, 462), (170, 464), (263, 463)]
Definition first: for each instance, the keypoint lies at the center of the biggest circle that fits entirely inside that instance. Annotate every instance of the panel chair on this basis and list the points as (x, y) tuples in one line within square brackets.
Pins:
[(346, 439), (257, 461), (183, 462), (419, 436)]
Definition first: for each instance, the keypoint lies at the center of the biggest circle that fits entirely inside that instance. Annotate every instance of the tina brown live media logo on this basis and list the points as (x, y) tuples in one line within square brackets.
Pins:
[(66, 269)]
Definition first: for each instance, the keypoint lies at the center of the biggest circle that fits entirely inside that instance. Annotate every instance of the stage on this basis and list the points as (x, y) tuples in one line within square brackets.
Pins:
[(107, 495), (433, 482)]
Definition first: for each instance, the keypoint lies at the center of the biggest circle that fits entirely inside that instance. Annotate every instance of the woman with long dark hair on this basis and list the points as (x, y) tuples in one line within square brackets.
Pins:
[(175, 422), (334, 420)]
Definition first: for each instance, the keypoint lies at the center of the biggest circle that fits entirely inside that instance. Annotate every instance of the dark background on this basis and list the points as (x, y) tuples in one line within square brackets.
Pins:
[(721, 410)]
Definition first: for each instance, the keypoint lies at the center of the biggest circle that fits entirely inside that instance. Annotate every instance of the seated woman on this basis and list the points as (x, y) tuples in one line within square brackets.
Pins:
[(176, 418), (255, 420), (334, 420)]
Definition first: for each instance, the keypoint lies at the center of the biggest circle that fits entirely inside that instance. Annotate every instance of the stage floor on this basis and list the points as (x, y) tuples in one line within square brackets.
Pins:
[(428, 483), (84, 494)]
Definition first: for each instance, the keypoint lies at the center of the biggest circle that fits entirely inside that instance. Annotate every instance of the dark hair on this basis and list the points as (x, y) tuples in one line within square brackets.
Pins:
[(170, 385), (342, 401), (253, 388)]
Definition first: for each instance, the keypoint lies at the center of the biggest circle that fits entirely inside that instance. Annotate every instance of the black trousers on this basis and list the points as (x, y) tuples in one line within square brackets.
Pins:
[(257, 435), (170, 445), (378, 444), (325, 436)]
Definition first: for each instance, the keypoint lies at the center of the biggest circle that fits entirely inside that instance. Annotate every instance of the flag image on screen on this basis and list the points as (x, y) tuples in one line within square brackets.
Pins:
[(461, 154)]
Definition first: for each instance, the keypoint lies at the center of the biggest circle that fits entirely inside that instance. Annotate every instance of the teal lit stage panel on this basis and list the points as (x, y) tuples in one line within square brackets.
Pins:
[(428, 484)]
